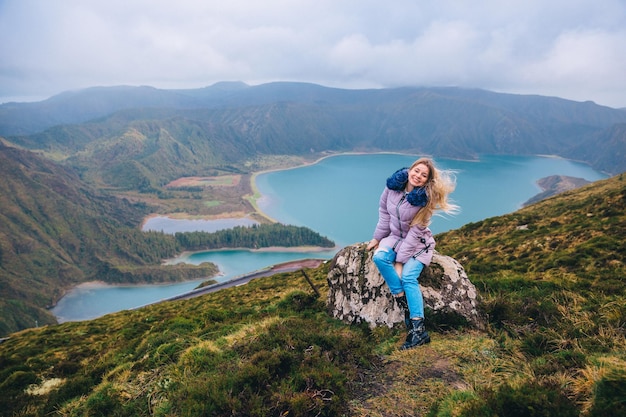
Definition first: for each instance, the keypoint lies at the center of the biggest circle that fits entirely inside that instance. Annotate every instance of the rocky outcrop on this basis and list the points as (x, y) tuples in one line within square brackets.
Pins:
[(556, 184), (358, 293)]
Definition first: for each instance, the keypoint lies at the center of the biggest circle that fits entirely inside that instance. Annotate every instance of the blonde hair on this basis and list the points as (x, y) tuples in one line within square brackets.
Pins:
[(439, 185)]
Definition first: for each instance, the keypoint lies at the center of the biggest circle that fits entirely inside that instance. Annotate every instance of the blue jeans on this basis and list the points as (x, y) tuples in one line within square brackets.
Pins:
[(384, 259)]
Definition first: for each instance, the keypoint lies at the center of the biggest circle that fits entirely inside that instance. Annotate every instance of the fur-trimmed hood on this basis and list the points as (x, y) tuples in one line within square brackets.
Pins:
[(397, 181), (396, 212)]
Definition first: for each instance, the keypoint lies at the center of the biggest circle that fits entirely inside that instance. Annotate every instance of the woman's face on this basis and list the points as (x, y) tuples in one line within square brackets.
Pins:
[(418, 175)]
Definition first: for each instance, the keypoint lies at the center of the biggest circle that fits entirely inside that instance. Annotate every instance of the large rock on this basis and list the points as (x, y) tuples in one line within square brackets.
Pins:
[(358, 293)]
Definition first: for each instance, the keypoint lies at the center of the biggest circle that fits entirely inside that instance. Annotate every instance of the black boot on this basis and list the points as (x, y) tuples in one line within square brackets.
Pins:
[(417, 335), (404, 305)]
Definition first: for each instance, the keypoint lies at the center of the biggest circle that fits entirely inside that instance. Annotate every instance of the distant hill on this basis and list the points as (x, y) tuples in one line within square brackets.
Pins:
[(82, 105), (134, 136), (556, 184), (606, 148)]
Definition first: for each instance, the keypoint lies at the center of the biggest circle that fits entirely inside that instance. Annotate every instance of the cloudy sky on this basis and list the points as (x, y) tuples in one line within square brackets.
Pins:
[(575, 49)]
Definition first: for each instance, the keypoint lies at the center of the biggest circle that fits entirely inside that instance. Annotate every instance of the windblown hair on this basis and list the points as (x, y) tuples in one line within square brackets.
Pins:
[(439, 185)]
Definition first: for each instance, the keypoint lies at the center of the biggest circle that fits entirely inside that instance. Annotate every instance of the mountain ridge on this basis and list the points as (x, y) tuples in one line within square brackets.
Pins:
[(299, 119)]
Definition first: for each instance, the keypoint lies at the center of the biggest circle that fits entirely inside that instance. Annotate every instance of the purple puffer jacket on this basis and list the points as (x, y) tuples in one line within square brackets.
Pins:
[(393, 230)]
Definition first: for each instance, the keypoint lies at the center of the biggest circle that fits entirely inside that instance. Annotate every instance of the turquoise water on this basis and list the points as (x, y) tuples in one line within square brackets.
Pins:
[(83, 303), (338, 197)]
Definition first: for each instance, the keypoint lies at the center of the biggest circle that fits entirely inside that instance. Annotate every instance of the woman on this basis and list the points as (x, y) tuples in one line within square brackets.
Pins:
[(403, 240)]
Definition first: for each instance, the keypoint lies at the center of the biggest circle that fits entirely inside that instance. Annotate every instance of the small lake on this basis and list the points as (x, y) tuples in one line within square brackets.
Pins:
[(172, 225), (338, 198)]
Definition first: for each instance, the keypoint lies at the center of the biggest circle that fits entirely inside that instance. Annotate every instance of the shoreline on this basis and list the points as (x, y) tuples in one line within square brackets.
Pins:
[(235, 215), (255, 191), (269, 270), (291, 249), (95, 284), (256, 195)]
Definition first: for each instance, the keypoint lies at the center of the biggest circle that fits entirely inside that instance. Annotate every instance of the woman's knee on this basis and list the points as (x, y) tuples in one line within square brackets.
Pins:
[(377, 257), (381, 256), (412, 270)]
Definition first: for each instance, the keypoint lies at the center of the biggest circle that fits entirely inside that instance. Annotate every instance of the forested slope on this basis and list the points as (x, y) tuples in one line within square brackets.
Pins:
[(56, 232)]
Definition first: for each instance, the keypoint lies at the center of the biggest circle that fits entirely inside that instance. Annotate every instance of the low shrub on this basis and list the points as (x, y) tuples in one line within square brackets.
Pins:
[(530, 400)]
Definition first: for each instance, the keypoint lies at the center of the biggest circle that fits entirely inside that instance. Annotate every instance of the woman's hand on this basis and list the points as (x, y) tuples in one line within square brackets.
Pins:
[(372, 244)]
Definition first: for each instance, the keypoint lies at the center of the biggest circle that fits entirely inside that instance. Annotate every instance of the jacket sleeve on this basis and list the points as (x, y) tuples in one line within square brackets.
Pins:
[(419, 241), (382, 227)]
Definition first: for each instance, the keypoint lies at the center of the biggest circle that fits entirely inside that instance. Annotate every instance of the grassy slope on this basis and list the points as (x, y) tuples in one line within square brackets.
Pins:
[(551, 277)]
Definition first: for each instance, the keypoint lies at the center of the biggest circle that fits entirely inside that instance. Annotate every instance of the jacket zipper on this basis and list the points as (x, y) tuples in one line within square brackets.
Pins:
[(399, 221), (398, 214)]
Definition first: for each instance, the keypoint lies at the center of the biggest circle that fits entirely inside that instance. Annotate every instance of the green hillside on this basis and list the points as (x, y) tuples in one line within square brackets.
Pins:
[(551, 279), (56, 232)]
